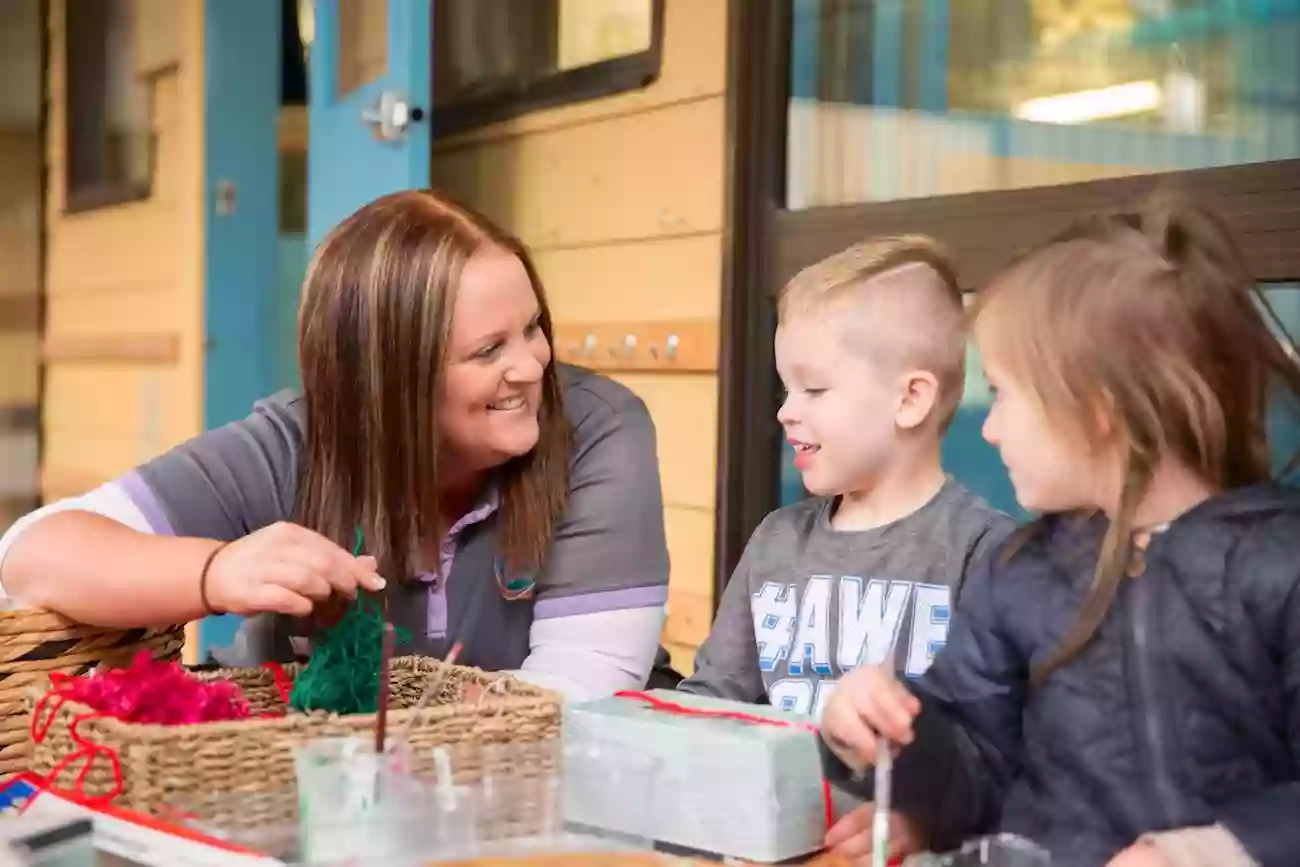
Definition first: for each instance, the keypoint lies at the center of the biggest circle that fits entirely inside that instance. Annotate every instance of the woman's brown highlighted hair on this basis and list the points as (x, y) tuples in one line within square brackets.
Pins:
[(373, 336)]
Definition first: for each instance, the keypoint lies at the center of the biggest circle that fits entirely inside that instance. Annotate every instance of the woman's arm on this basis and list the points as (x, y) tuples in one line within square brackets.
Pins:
[(99, 571), (600, 599), (1208, 846), (131, 551)]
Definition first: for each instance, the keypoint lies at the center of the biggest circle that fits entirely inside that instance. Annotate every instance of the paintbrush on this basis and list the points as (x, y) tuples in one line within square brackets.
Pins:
[(880, 819), (466, 628), (883, 794), (385, 667), (430, 687)]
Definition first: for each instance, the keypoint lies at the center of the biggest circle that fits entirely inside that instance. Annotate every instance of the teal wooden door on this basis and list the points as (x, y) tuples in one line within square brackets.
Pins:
[(241, 70), (369, 86), (368, 134)]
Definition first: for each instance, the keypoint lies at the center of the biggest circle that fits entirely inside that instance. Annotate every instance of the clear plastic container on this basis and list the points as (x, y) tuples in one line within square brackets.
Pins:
[(1000, 850), (524, 794), (451, 804), (354, 802)]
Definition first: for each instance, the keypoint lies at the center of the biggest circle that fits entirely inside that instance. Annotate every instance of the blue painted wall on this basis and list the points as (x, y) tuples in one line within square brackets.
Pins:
[(241, 64), (886, 32), (934, 56), (293, 256), (241, 110), (804, 48)]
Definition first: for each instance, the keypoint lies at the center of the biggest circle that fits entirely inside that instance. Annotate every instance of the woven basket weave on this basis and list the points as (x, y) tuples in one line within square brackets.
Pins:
[(163, 765), (35, 642)]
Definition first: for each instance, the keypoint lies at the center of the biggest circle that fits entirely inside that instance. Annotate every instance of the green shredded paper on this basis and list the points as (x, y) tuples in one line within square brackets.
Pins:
[(342, 674)]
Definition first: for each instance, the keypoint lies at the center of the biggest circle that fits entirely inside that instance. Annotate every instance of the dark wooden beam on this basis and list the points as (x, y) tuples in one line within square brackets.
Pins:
[(749, 439), (983, 230)]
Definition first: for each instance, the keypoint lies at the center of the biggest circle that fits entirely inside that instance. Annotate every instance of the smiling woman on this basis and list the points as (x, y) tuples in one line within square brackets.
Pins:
[(511, 504), (497, 360)]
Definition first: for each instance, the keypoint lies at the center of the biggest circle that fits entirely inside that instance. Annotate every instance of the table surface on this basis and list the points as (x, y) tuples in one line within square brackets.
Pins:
[(575, 859), (594, 859), (624, 859)]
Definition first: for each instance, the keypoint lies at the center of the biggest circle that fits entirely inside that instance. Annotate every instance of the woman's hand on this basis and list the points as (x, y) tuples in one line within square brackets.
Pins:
[(868, 703), (1141, 854), (850, 838), (285, 569)]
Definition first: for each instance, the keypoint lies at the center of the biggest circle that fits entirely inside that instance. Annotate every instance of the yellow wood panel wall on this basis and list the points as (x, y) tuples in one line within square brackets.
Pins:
[(18, 359), (125, 270), (621, 200), (19, 215), (118, 273), (20, 192)]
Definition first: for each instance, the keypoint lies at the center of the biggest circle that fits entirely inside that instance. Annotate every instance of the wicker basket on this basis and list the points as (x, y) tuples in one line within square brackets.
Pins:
[(148, 767), (35, 642)]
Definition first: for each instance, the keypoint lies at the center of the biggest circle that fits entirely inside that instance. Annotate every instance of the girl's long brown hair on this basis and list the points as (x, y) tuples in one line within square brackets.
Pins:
[(1151, 319), (373, 335)]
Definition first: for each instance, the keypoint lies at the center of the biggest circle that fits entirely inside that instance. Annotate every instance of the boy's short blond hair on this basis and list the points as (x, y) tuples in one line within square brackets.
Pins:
[(903, 294)]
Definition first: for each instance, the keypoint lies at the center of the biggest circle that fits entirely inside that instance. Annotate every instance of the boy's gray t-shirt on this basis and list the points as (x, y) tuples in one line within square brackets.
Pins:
[(807, 603)]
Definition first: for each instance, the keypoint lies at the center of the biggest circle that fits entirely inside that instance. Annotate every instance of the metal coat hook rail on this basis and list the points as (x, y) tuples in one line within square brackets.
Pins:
[(685, 345)]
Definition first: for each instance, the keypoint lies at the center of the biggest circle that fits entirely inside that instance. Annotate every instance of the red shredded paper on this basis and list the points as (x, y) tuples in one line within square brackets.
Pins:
[(150, 691), (147, 692)]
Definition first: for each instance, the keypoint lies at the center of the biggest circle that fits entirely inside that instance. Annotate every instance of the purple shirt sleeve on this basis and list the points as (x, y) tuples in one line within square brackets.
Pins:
[(610, 551)]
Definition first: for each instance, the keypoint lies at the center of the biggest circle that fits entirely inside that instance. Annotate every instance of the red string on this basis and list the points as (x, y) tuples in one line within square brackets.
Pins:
[(674, 708), (47, 711), (38, 729), (86, 749), (283, 682)]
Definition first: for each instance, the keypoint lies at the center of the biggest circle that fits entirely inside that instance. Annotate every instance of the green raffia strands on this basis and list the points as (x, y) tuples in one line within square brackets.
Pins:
[(342, 675)]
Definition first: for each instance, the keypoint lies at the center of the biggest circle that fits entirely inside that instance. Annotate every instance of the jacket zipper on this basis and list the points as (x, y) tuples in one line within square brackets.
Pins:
[(1147, 707)]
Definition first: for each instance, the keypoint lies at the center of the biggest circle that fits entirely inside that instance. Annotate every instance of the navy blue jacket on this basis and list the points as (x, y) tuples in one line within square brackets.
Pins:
[(1183, 710)]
